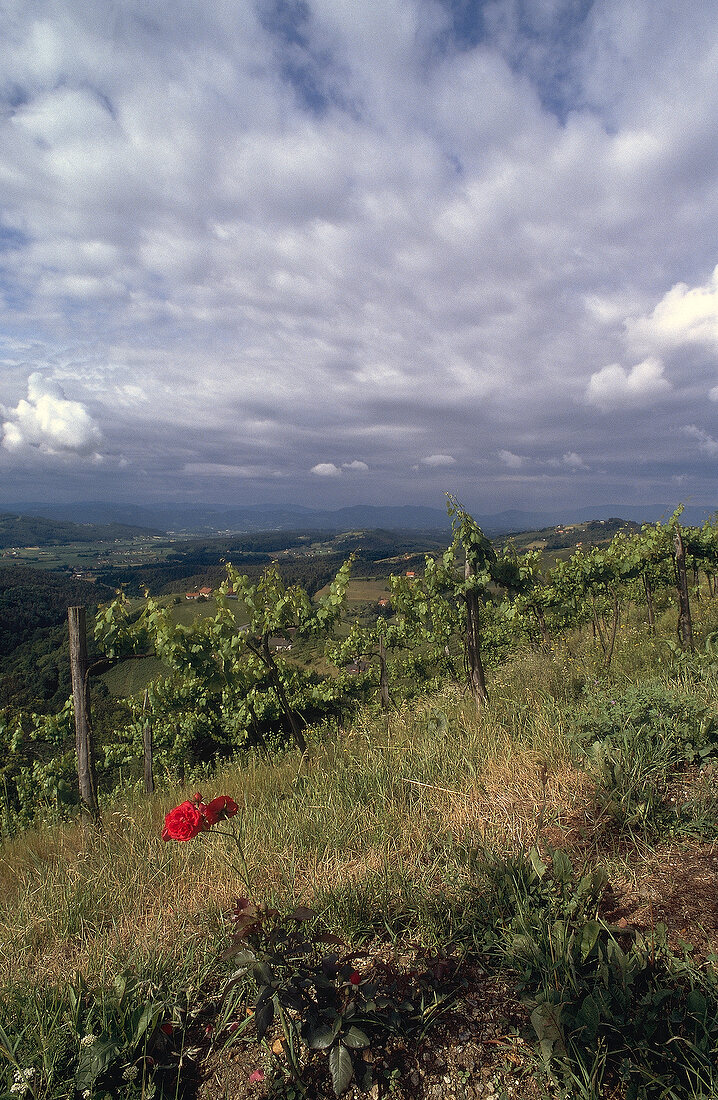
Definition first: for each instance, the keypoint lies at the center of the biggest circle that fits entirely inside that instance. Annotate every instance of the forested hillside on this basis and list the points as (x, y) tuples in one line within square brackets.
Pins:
[(34, 599), (35, 531)]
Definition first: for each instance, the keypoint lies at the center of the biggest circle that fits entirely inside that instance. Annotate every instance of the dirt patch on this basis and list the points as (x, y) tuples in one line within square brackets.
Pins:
[(477, 1050), (676, 885)]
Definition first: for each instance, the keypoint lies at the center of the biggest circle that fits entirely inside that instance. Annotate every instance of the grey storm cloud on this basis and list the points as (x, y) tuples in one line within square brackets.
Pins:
[(242, 245)]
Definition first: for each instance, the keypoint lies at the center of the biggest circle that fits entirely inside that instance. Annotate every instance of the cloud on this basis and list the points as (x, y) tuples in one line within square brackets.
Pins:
[(466, 211), (355, 465), (218, 469), (706, 443), (438, 460), (574, 461), (614, 387), (48, 422), (326, 469), (684, 315)]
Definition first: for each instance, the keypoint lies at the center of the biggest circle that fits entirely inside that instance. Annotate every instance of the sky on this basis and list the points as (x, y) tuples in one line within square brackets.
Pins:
[(330, 252)]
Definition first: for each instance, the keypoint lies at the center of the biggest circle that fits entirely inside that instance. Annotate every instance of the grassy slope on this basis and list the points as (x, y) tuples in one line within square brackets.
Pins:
[(377, 827)]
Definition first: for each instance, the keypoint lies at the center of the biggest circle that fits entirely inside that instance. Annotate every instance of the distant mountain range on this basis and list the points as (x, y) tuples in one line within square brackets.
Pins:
[(209, 519)]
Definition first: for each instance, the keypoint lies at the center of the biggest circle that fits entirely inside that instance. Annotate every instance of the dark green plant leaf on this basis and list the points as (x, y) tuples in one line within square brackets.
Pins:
[(355, 1038), (340, 1065), (263, 1016), (321, 1037), (94, 1061)]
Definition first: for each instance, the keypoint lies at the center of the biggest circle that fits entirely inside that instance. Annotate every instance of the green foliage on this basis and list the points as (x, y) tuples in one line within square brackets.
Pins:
[(33, 599), (121, 1041), (38, 775), (607, 1005), (637, 740), (226, 684)]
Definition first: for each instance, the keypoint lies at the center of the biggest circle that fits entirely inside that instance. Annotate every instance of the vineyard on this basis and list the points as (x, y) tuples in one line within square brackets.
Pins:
[(459, 821)]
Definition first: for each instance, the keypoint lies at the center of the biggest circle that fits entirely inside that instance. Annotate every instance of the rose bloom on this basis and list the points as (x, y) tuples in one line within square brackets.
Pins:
[(183, 822), (219, 809)]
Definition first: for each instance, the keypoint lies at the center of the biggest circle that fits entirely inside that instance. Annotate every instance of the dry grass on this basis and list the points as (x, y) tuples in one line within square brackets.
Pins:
[(413, 791)]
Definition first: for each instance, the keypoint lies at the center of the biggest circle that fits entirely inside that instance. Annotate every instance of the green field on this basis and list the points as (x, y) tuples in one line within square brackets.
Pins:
[(363, 590), (89, 557)]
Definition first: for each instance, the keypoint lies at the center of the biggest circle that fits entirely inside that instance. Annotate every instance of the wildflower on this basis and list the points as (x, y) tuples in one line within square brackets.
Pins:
[(256, 1076), (130, 1073), (219, 809), (87, 1040), (21, 1081), (355, 977)]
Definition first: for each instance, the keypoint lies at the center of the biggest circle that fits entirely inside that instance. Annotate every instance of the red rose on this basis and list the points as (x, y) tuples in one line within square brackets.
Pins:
[(219, 809), (183, 823)]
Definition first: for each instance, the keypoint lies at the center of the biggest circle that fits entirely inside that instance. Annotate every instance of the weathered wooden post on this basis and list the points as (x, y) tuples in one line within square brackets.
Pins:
[(685, 627), (81, 699)]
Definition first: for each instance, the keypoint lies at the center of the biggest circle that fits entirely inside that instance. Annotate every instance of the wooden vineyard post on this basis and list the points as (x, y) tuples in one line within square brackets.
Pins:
[(685, 627), (81, 699), (147, 747)]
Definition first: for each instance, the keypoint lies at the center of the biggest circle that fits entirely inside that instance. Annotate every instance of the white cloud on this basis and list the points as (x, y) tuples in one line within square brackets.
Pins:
[(614, 387), (355, 465), (48, 422), (685, 315), (706, 443), (325, 469), (573, 461), (438, 460), (510, 459)]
